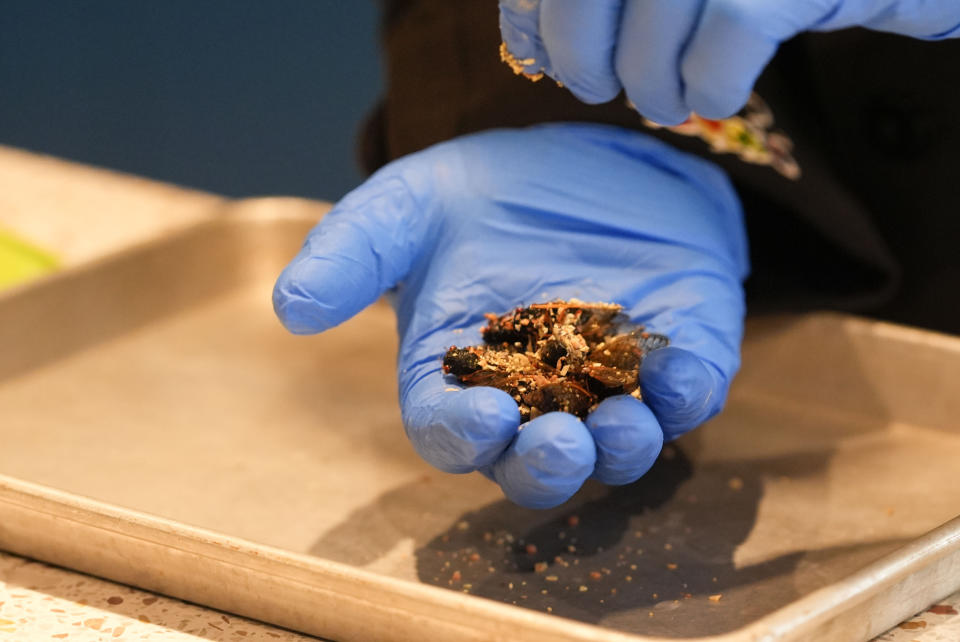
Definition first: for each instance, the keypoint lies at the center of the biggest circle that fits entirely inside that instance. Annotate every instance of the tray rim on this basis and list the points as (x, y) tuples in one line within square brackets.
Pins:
[(95, 523)]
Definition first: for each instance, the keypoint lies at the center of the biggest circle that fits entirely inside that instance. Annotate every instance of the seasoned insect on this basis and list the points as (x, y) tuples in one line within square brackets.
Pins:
[(562, 356)]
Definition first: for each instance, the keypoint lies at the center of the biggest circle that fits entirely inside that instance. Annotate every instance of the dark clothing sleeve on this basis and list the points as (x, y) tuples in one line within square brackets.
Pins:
[(854, 104)]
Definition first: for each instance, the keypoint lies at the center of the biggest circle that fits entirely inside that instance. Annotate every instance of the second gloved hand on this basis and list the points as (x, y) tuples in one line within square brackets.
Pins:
[(677, 56), (494, 220)]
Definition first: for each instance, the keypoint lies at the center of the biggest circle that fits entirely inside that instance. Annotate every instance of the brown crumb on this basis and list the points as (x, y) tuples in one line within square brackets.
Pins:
[(456, 577), (596, 575), (540, 567), (573, 520), (912, 626), (517, 65), (672, 566), (715, 598), (735, 483), (530, 549)]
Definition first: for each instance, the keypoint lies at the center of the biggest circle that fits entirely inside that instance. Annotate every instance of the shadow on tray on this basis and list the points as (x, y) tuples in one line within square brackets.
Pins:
[(655, 557)]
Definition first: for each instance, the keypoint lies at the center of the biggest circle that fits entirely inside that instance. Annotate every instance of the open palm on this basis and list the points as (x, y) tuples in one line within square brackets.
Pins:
[(491, 221)]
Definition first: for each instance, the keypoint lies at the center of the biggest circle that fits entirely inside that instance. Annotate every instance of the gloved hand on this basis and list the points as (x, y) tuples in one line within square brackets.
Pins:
[(677, 56), (494, 220)]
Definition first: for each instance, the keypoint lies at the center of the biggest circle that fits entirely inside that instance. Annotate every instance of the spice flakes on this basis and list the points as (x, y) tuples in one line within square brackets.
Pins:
[(558, 356)]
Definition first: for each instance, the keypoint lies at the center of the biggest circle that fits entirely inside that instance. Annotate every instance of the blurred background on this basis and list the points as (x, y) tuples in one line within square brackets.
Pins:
[(238, 97)]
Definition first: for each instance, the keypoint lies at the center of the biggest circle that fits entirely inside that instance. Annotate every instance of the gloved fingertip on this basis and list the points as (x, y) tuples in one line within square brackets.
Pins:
[(490, 418), (716, 105), (298, 315), (628, 439), (680, 389), (548, 461), (465, 430), (591, 96), (661, 114), (314, 294)]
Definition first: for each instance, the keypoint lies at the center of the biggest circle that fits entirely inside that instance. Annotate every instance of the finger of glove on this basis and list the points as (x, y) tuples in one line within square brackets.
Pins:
[(628, 439), (651, 40), (364, 246), (732, 43), (548, 461), (682, 390), (520, 30), (457, 431), (926, 19), (702, 312), (580, 39)]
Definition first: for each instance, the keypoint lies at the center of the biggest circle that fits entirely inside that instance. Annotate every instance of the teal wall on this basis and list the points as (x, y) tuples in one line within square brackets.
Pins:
[(240, 97)]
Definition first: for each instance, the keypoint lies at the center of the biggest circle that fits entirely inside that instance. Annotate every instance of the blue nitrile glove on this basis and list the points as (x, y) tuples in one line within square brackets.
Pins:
[(494, 220), (677, 56)]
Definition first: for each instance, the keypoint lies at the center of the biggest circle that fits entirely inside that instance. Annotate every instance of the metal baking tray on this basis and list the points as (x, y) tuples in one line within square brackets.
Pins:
[(160, 428)]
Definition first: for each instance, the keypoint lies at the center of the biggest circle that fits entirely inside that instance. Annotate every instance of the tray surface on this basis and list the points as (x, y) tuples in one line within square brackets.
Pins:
[(159, 381)]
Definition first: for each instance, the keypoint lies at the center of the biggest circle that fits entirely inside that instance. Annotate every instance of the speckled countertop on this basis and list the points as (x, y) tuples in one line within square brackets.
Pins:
[(41, 602), (939, 623)]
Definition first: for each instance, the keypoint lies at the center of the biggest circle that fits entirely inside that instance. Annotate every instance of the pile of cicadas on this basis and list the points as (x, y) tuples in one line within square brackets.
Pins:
[(559, 356)]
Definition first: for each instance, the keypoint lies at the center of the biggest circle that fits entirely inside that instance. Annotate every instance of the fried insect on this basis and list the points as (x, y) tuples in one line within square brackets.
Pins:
[(558, 356)]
